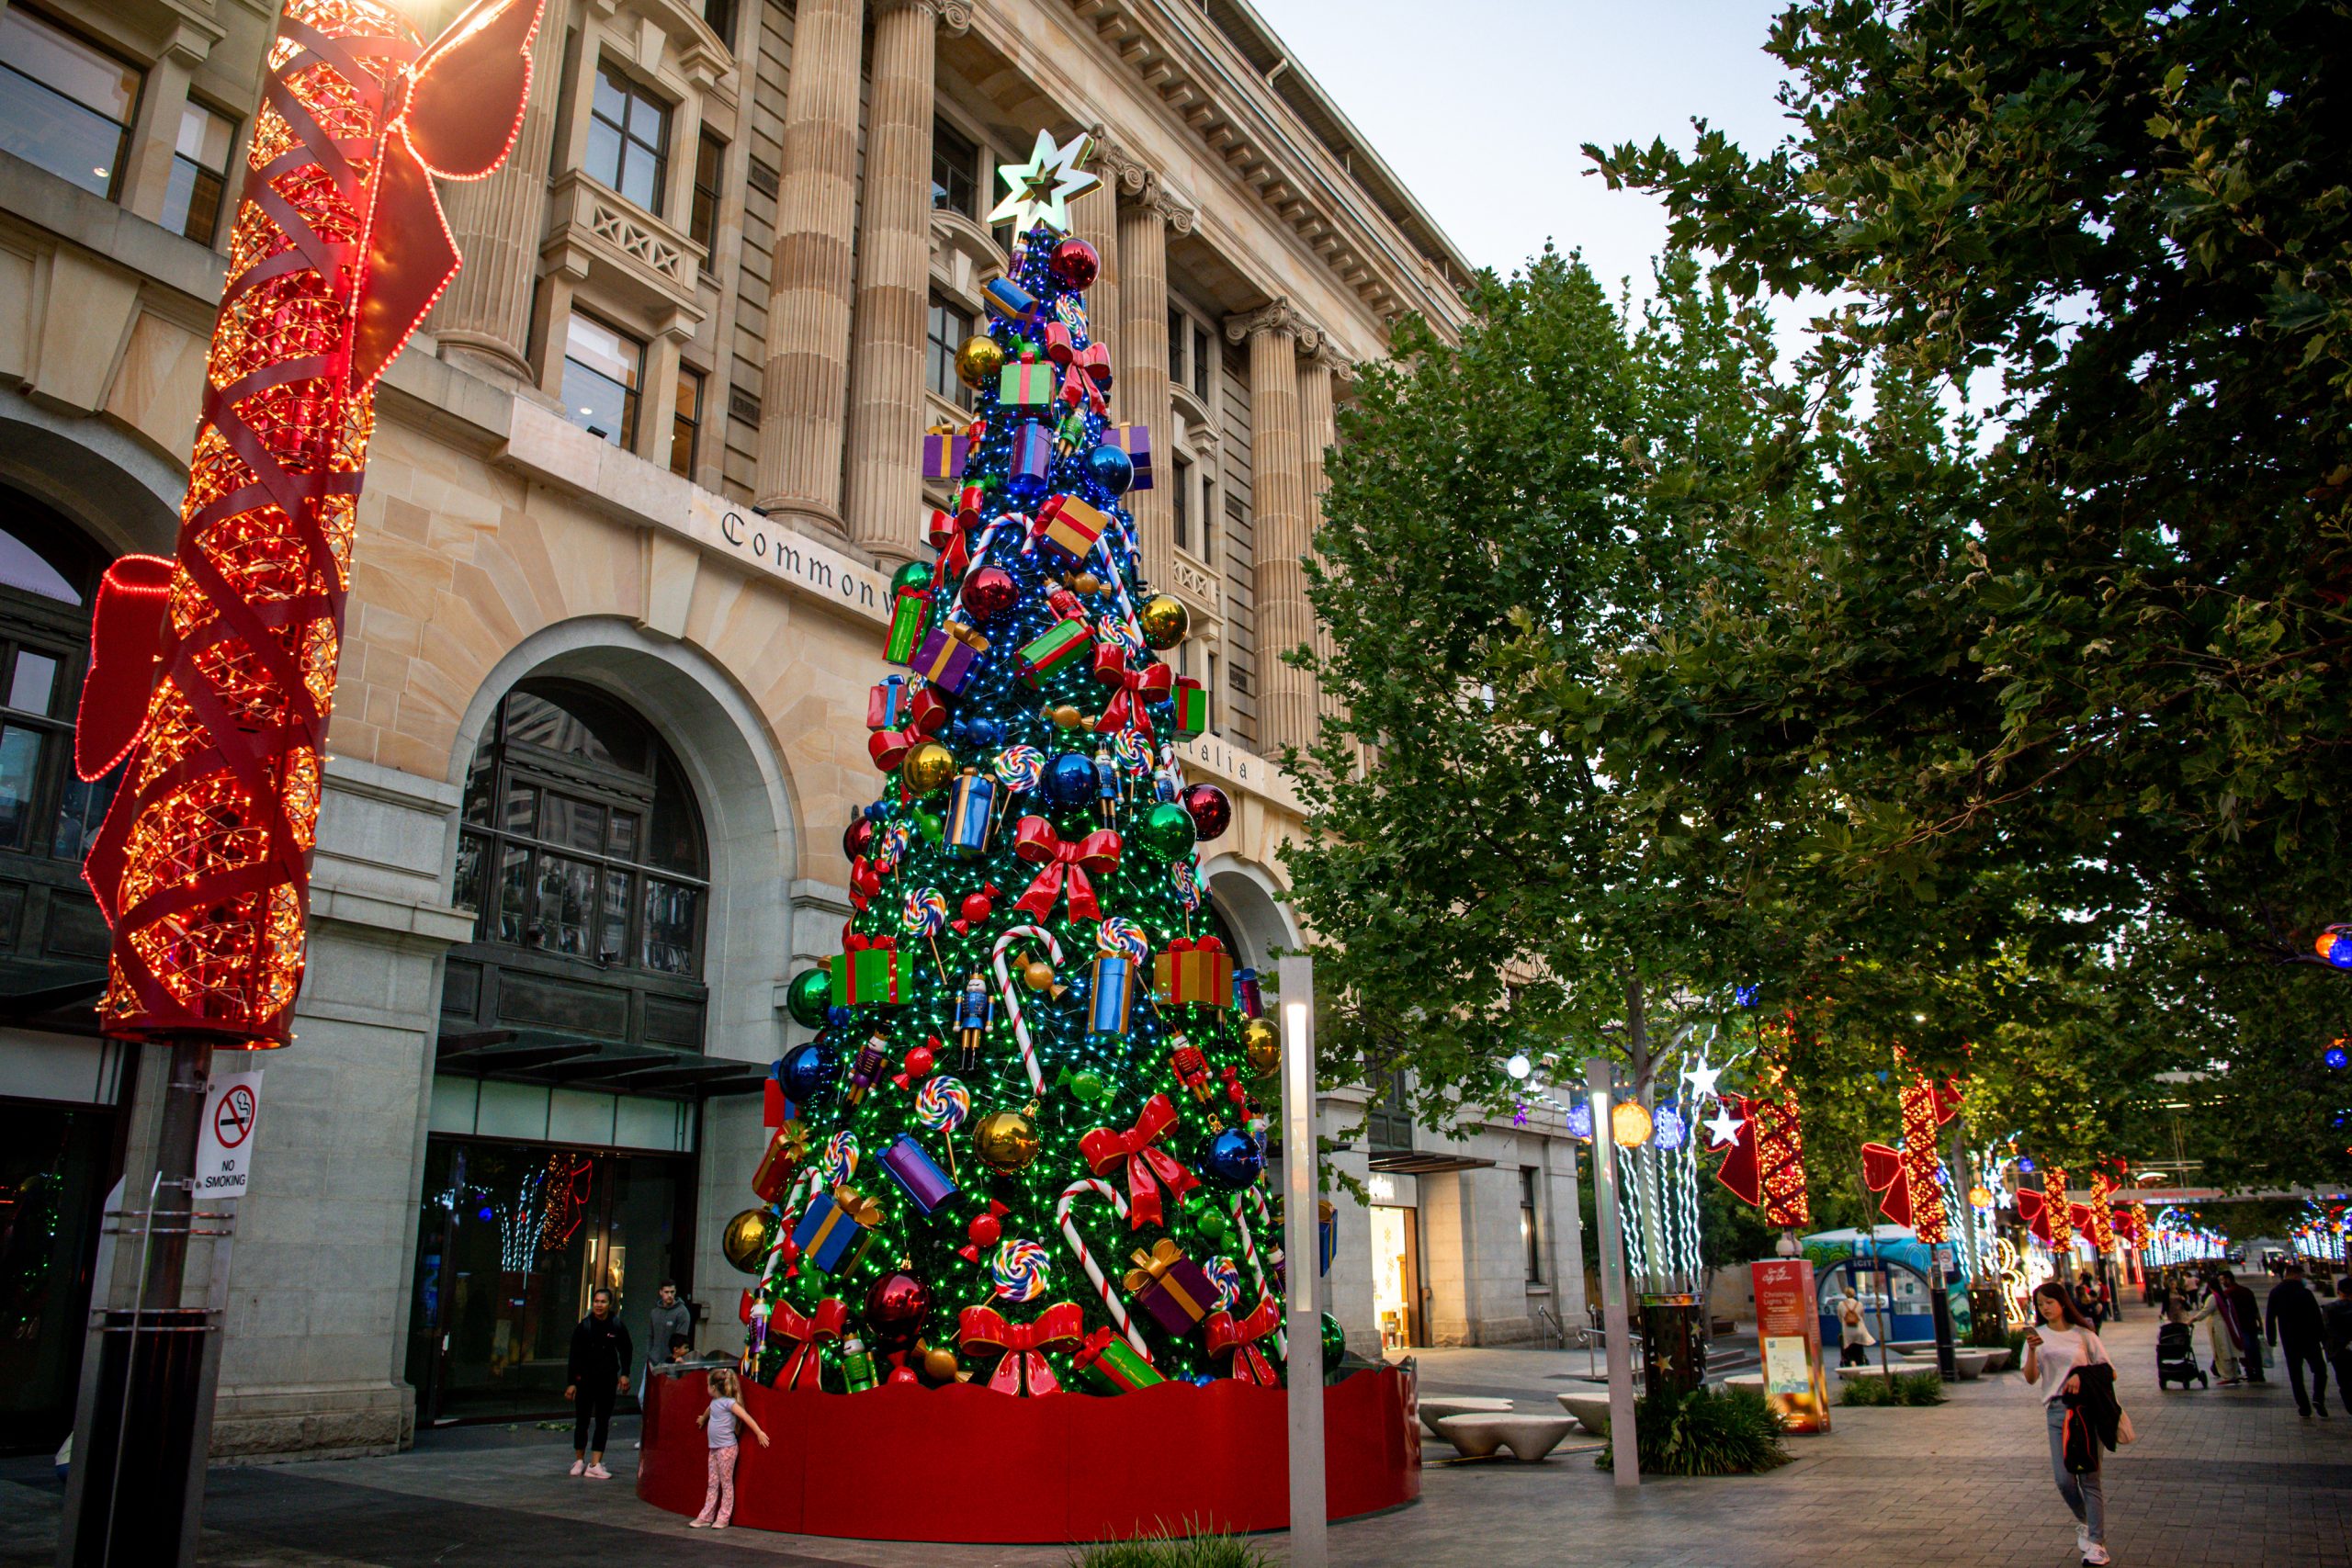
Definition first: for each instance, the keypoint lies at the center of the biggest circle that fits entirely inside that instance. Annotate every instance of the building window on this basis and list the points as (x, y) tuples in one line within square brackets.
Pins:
[(685, 425), (949, 328), (629, 139), (65, 105), (1180, 496), (1201, 363), (719, 15), (581, 838), (1531, 1229), (1208, 519), (953, 161), (1389, 1121), (1180, 338), (1208, 689), (199, 173), (601, 371), (702, 223), (46, 579)]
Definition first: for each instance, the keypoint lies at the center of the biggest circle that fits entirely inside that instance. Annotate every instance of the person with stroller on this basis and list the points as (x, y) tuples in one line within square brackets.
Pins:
[(2177, 1347)]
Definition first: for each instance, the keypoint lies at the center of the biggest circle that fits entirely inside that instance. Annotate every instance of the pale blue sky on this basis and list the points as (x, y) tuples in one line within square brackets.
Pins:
[(1481, 105)]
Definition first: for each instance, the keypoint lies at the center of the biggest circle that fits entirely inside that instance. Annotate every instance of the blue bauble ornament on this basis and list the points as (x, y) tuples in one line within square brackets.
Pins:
[(808, 1071), (1236, 1159), (1069, 780), (973, 735), (1025, 490), (1110, 469), (878, 811), (839, 1017)]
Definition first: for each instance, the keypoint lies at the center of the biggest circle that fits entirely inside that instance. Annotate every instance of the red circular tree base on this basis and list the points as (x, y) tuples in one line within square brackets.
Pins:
[(968, 1463)]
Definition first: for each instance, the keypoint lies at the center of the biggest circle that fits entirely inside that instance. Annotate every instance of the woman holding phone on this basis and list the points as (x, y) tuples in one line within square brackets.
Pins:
[(2056, 1348)]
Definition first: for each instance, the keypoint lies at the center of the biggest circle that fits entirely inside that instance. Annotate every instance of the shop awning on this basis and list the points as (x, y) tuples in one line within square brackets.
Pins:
[(553, 1056), (30, 987), (1422, 1162)]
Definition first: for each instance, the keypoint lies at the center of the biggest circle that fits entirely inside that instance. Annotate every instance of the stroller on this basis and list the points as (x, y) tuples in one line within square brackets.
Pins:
[(2177, 1357)]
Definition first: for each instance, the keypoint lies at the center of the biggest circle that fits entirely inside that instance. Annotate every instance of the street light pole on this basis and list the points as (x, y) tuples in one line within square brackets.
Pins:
[(1302, 1243), (1624, 1446)]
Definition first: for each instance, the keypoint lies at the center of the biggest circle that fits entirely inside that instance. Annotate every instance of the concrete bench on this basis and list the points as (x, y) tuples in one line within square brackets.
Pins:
[(1752, 1380), (1591, 1411), (1970, 1363), (1529, 1437), (1437, 1407), (1850, 1373)]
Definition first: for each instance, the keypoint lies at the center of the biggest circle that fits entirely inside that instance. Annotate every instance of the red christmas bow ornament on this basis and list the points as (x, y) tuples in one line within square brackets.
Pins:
[(1136, 688), (1079, 390), (864, 882), (889, 748), (1095, 360), (1103, 1148), (807, 1335), (2080, 1213), (1882, 1173), (2033, 1210), (1023, 1369), (1741, 1171), (1239, 1340), (1034, 841)]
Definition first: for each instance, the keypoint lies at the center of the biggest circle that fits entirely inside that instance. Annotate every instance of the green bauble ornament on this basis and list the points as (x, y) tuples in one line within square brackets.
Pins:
[(914, 575), (930, 826), (1212, 1225), (1335, 1342), (809, 996), (1167, 830), (1086, 1086)]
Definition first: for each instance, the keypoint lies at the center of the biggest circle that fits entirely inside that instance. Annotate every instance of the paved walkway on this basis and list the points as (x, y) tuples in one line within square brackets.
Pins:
[(2223, 1477)]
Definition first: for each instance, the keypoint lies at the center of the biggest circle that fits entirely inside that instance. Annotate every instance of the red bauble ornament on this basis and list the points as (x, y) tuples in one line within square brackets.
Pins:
[(1211, 812), (985, 1231), (895, 1308), (857, 838), (1075, 264), (977, 908), (988, 592)]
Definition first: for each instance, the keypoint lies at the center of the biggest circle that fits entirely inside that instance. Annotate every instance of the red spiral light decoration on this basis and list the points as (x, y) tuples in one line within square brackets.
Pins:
[(212, 675), (1780, 1149), (2056, 1211)]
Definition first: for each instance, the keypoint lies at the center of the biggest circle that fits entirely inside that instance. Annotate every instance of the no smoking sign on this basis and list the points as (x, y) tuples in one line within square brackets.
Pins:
[(224, 1153)]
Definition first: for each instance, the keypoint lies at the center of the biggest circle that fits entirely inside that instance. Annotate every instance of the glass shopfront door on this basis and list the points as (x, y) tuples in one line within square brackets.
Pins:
[(55, 1166), (513, 1239), (1396, 1276)]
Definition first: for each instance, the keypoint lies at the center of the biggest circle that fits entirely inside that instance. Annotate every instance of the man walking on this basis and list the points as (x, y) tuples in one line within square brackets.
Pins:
[(2336, 1323), (2243, 1314), (2292, 1323), (598, 1371)]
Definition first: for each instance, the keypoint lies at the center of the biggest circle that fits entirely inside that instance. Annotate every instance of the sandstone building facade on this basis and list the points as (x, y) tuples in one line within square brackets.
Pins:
[(631, 508)]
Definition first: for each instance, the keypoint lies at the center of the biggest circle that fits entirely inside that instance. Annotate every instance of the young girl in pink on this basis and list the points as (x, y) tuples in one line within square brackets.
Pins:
[(720, 1418)]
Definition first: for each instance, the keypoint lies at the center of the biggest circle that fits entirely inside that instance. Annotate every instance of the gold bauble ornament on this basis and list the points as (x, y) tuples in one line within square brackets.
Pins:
[(1067, 717), (928, 767), (1006, 1141), (747, 1239), (978, 360), (1036, 973), (1262, 1047), (1164, 621)]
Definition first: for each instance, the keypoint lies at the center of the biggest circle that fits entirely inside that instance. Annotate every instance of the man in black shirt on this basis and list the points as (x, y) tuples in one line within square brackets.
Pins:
[(597, 1370), (2291, 1321)]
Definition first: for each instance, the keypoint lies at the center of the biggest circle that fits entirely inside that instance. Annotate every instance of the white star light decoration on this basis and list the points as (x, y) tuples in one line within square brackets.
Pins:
[(1702, 1079), (1724, 1127), (1042, 187)]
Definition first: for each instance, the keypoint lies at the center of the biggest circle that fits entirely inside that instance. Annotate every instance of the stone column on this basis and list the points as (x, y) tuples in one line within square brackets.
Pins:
[(483, 323), (1278, 491), (885, 418), (1318, 434), (808, 284), (1094, 217), (1142, 387)]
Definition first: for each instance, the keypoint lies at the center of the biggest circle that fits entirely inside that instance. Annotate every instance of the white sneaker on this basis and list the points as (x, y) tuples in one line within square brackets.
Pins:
[(578, 1466), (2096, 1555), (2083, 1540), (598, 1473)]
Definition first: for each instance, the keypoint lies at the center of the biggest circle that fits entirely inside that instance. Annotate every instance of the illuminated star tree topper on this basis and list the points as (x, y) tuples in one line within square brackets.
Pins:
[(1041, 188)]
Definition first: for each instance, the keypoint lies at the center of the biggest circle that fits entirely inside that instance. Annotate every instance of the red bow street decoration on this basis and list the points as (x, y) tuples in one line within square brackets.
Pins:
[(1034, 841), (1882, 1173), (2033, 1210), (1741, 1171), (807, 1335), (2081, 1215), (1135, 689), (1239, 1340), (1023, 1369), (1103, 1149), (127, 635)]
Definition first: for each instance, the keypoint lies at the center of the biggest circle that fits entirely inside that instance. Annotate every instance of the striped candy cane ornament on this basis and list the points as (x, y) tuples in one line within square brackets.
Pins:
[(1111, 1302), (1257, 1266), (1012, 997)]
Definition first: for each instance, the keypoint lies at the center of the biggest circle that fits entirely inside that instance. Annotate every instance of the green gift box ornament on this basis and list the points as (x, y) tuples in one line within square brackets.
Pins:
[(1050, 650), (1192, 708), (908, 607)]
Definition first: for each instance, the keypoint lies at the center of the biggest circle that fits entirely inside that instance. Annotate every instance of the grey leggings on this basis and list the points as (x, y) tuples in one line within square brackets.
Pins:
[(2084, 1493)]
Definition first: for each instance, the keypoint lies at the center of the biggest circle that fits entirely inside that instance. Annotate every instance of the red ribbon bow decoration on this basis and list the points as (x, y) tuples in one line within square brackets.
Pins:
[(1034, 841), (1023, 1369), (1137, 688), (1079, 390), (2034, 1211), (1103, 1148), (1741, 1170), (1239, 1340), (807, 1335), (1882, 1173)]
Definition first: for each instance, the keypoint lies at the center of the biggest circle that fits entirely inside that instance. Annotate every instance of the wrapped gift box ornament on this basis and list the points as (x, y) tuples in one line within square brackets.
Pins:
[(944, 453), (836, 1229), (1189, 973), (917, 1174), (1170, 1287), (900, 704), (1135, 440), (1112, 1365), (946, 657), (1061, 644), (1192, 708), (1026, 384), (908, 607), (1008, 302), (1068, 530), (869, 976)]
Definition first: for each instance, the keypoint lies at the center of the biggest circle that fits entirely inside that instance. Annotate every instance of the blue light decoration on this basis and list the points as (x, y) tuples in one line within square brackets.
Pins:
[(1580, 1121), (1745, 995), (2335, 1056), (2024, 1163), (1669, 1130), (2335, 945)]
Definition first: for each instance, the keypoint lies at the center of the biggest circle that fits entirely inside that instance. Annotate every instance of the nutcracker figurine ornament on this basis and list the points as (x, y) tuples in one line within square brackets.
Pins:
[(212, 675)]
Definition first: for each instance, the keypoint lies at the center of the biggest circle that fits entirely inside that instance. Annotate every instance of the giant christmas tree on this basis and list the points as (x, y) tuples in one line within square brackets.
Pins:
[(1023, 1147)]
